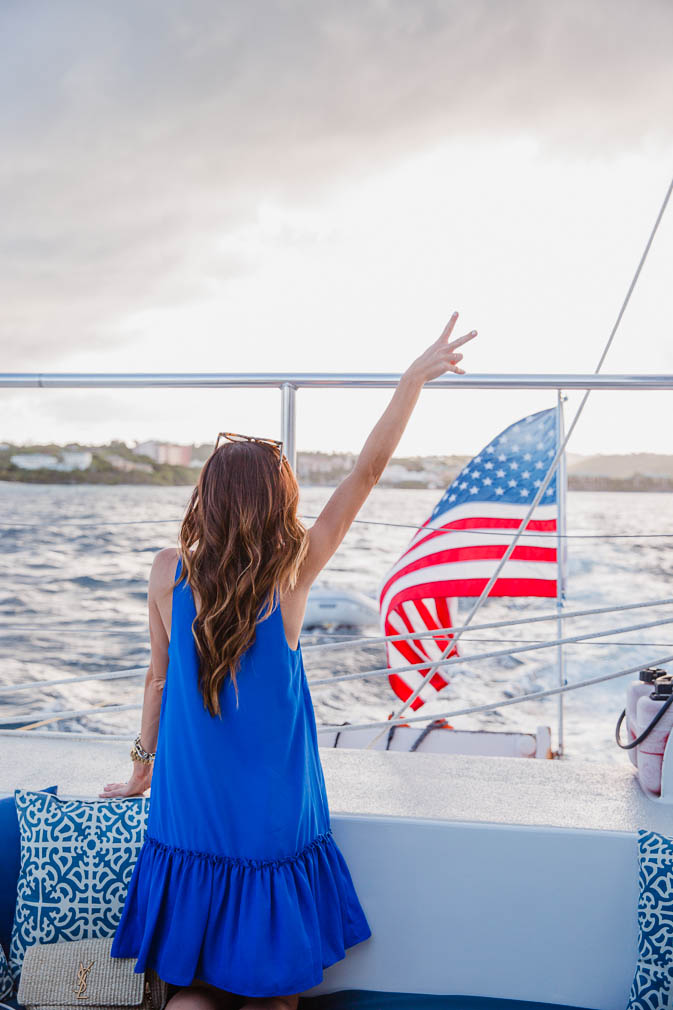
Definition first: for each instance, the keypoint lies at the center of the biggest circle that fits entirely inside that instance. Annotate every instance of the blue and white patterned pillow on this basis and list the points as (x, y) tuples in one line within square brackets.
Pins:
[(6, 980), (77, 857), (652, 986)]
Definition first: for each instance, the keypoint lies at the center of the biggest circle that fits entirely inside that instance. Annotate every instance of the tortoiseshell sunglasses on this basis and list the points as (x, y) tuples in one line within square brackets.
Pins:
[(233, 436)]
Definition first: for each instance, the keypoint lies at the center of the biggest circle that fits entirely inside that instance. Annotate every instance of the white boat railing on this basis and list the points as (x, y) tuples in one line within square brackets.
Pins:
[(346, 727), (288, 385), (492, 706), (289, 382), (42, 717), (349, 641)]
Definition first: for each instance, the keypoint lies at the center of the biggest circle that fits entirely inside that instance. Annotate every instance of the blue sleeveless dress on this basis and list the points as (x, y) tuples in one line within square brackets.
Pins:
[(239, 881)]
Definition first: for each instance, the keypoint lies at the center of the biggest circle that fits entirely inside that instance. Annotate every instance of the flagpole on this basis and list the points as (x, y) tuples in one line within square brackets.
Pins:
[(560, 561)]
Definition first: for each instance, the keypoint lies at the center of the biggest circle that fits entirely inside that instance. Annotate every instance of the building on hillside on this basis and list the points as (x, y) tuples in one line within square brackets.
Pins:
[(397, 474), (75, 459), (322, 467), (35, 461), (150, 449), (177, 455), (165, 452), (126, 465)]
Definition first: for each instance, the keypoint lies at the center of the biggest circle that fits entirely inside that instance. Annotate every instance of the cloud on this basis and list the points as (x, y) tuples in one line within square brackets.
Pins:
[(137, 135)]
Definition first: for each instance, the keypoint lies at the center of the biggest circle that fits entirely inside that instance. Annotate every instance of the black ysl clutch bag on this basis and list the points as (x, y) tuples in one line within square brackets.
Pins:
[(76, 973)]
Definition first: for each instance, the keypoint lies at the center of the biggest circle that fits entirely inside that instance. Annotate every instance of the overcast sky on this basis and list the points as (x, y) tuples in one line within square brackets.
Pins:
[(308, 185)]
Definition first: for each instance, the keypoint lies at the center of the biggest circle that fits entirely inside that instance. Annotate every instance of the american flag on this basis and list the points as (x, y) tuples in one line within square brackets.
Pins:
[(492, 493)]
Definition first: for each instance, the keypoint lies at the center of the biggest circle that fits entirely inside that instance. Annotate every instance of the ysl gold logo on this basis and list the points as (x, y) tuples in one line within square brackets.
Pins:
[(82, 977)]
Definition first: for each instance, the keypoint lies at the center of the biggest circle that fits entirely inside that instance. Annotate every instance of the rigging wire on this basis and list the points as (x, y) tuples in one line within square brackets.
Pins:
[(491, 532), (386, 671), (494, 654), (425, 632), (139, 671), (104, 524), (342, 727), (491, 706)]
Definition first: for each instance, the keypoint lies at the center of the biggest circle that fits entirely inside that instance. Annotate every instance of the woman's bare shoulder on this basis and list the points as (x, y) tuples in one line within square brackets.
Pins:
[(162, 575)]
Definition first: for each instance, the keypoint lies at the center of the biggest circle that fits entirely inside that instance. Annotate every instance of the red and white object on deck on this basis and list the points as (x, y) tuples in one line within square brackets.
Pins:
[(636, 690), (652, 749)]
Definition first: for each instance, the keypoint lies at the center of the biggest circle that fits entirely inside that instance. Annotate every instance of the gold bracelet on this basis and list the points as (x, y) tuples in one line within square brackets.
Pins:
[(138, 752)]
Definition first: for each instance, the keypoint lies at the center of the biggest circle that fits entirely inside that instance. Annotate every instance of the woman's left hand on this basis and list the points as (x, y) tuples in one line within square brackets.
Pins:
[(140, 780)]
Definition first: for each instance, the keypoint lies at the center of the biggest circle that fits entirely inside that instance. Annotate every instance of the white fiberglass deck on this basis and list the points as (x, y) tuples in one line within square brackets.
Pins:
[(480, 876), (451, 787)]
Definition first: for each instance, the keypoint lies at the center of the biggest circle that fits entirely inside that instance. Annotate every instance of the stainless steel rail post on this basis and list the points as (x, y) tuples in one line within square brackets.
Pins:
[(288, 422), (560, 561)]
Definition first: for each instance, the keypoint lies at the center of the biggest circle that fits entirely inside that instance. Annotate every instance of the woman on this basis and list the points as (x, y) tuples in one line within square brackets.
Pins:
[(240, 895)]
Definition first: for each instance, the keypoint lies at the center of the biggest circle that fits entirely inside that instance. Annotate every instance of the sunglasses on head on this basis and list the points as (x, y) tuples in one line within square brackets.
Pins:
[(233, 436)]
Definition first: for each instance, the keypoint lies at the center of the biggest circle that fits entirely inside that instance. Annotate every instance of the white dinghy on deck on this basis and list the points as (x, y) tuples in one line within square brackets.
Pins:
[(441, 739)]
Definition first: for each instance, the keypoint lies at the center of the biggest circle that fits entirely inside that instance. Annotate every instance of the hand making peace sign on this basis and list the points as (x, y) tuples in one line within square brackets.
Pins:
[(441, 356)]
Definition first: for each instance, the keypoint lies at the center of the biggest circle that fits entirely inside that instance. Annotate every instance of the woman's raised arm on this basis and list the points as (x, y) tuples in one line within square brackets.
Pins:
[(338, 514)]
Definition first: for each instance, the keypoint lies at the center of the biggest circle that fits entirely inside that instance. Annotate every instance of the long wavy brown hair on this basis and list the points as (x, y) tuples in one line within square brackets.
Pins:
[(242, 546)]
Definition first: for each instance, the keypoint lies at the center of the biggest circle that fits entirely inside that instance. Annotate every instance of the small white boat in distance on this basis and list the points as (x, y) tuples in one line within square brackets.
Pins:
[(332, 608)]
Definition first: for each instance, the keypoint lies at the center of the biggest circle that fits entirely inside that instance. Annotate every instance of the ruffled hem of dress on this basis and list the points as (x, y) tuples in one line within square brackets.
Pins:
[(255, 927), (257, 864)]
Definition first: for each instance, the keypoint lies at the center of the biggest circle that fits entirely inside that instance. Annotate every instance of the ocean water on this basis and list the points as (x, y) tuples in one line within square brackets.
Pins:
[(74, 563)]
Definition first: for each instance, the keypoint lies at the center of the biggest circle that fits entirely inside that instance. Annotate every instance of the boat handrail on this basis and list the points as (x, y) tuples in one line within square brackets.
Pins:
[(346, 727), (494, 654), (491, 706), (381, 639), (383, 671), (537, 534), (332, 380), (59, 715), (374, 639)]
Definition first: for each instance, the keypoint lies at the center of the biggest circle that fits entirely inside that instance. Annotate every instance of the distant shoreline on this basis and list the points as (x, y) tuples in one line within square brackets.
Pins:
[(118, 464), (87, 480)]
